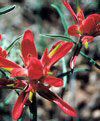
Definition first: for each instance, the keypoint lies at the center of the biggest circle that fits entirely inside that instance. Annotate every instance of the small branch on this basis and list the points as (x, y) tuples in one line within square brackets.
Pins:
[(64, 74), (72, 71)]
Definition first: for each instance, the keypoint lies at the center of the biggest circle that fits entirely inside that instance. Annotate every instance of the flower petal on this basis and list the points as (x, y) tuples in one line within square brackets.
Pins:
[(80, 15), (0, 37), (28, 47), (53, 81), (35, 69), (49, 95), (20, 84), (5, 63), (62, 51), (89, 24), (19, 105), (45, 58), (74, 31), (16, 72), (3, 53), (88, 39), (67, 5)]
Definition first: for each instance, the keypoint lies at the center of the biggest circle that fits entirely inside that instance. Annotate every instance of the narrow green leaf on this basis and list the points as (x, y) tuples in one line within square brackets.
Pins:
[(81, 70), (64, 70), (6, 9), (57, 36), (3, 73), (90, 60), (12, 44), (63, 20), (77, 70)]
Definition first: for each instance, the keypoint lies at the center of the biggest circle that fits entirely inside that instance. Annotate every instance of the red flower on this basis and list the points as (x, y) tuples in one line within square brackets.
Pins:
[(0, 37), (3, 53), (87, 28), (36, 73)]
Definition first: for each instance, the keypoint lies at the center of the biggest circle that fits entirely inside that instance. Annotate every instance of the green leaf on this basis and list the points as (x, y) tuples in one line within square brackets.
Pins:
[(57, 36), (77, 70), (64, 70), (90, 60), (3, 73), (12, 44), (6, 9), (81, 70), (63, 20)]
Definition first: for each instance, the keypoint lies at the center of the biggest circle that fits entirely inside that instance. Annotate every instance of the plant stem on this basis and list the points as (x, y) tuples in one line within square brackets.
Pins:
[(70, 72), (64, 74), (33, 108), (90, 59), (71, 40)]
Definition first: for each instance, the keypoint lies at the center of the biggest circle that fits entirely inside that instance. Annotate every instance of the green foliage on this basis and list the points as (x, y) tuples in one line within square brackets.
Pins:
[(78, 70), (64, 70), (63, 20), (6, 9), (57, 36)]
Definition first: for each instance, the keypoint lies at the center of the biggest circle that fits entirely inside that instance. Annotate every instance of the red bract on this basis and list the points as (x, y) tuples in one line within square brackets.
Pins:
[(3, 53), (88, 28), (0, 37), (37, 72), (49, 95), (85, 29)]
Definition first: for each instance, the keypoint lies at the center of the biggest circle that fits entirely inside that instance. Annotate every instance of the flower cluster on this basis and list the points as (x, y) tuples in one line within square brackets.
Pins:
[(36, 75), (84, 28)]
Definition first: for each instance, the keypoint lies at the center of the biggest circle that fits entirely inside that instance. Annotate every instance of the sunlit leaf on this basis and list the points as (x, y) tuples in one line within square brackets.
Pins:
[(81, 70), (64, 70), (6, 9), (57, 36)]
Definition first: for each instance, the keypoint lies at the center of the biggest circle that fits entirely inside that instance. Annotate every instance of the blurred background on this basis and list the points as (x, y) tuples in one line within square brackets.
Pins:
[(82, 90)]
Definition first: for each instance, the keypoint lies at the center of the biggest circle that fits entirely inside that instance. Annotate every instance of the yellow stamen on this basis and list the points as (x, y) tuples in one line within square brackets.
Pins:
[(50, 73), (10, 85), (78, 9), (54, 50), (8, 69), (30, 96), (86, 44), (79, 32)]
